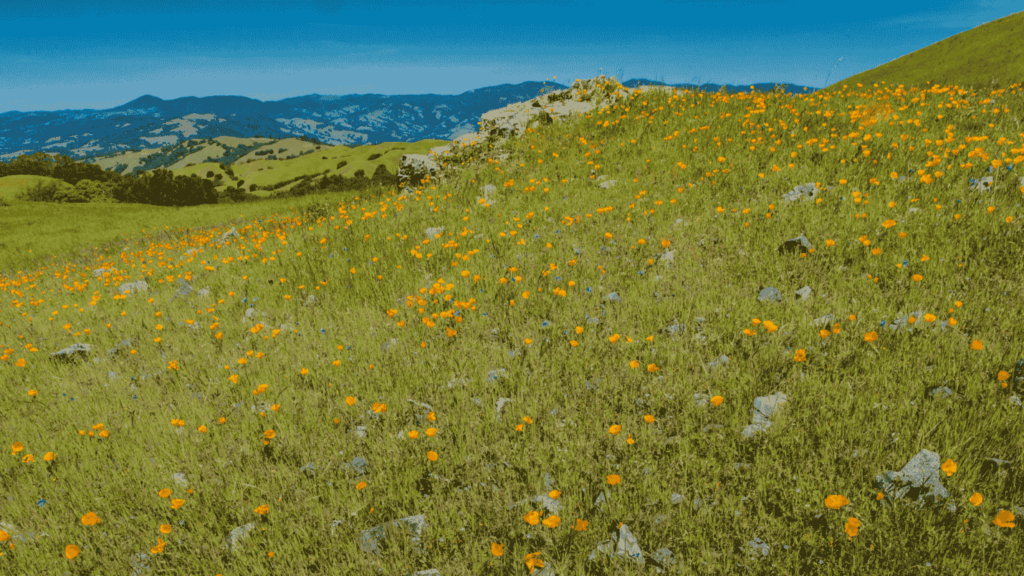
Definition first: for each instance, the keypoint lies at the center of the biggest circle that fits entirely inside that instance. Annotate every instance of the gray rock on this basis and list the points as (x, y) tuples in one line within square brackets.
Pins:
[(184, 289), (124, 346), (133, 287), (497, 126), (227, 235), (920, 481), (622, 544), (764, 408), (76, 351)]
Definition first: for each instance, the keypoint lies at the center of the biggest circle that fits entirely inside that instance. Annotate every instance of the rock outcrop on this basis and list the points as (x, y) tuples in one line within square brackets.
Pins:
[(497, 126)]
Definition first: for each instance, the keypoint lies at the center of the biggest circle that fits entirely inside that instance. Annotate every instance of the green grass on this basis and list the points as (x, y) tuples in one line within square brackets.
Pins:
[(696, 215), (299, 158), (39, 235), (982, 58), (265, 173)]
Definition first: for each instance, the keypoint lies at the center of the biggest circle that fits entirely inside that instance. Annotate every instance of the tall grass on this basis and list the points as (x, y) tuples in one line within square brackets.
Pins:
[(514, 353)]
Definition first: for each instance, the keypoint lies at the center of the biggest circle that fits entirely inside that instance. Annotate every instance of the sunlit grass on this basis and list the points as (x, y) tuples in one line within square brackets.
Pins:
[(363, 318)]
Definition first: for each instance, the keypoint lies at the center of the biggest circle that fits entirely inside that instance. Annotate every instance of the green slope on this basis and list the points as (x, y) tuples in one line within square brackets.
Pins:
[(990, 56)]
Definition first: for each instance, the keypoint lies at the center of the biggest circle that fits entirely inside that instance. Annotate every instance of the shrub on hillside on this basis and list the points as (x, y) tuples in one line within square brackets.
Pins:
[(41, 192), (234, 195), (92, 191), (382, 177), (162, 188), (357, 183)]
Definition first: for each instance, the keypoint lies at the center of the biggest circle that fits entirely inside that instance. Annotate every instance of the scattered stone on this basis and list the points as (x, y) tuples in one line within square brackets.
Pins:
[(919, 481), (133, 287), (624, 545), (124, 346), (250, 312), (917, 485), (184, 289), (225, 236), (764, 408), (74, 352)]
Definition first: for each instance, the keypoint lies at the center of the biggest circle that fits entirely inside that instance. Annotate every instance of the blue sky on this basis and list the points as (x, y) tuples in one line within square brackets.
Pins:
[(100, 54)]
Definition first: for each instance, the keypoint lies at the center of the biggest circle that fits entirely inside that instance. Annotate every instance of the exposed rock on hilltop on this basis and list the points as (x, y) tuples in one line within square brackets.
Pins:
[(497, 126)]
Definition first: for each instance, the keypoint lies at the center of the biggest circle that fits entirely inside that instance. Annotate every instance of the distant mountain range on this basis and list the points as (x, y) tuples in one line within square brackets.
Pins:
[(149, 123)]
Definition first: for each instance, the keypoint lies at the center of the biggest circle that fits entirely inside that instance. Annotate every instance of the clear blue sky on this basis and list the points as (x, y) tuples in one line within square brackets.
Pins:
[(100, 54)]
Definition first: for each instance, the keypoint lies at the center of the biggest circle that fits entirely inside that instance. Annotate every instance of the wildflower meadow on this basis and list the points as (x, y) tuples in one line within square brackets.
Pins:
[(681, 333)]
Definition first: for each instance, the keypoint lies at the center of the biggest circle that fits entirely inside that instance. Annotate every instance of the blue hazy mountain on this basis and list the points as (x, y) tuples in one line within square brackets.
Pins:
[(151, 123)]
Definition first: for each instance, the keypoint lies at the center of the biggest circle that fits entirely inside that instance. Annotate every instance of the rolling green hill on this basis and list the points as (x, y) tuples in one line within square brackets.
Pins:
[(273, 161), (989, 56)]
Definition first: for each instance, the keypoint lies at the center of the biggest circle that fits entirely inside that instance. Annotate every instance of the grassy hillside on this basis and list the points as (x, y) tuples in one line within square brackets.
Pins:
[(11, 186), (291, 158), (38, 234), (746, 334), (270, 161), (984, 58), (264, 173)]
